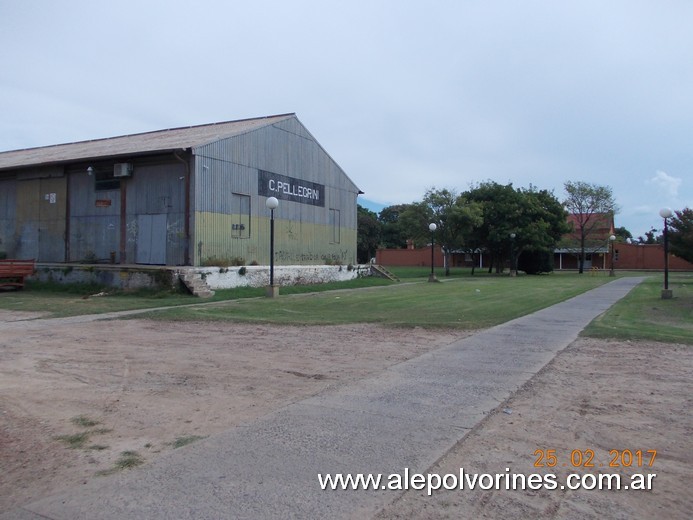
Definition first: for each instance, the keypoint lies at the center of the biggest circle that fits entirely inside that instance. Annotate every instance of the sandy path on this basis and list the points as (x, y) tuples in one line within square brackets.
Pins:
[(150, 383)]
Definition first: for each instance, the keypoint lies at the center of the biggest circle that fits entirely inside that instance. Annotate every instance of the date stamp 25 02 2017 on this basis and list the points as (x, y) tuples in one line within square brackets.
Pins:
[(585, 458)]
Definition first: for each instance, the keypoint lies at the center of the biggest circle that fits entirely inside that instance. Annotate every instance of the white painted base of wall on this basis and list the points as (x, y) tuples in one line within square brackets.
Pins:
[(258, 275), (135, 277)]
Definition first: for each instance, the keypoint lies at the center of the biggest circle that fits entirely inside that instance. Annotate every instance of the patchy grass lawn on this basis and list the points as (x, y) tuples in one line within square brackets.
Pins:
[(643, 314), (56, 300), (460, 302)]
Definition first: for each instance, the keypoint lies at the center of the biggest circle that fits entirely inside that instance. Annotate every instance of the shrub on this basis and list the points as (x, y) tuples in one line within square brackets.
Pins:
[(535, 262), (216, 261)]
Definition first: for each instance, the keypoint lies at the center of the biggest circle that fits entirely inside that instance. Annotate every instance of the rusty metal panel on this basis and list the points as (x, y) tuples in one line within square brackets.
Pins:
[(41, 209)]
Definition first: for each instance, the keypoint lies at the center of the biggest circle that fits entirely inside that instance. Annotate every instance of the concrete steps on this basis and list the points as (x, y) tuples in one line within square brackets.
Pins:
[(195, 284)]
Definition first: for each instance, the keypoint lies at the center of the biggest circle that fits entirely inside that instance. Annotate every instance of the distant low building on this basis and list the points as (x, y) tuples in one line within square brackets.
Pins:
[(598, 230), (566, 256), (183, 196)]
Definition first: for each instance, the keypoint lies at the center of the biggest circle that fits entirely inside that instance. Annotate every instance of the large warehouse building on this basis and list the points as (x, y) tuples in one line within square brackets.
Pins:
[(184, 196)]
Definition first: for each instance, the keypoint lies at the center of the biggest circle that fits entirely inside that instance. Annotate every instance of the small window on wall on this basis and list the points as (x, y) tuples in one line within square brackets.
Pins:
[(104, 181), (240, 213), (334, 225)]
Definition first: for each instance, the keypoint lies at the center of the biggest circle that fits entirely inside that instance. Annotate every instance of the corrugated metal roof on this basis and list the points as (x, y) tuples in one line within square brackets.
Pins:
[(159, 141)]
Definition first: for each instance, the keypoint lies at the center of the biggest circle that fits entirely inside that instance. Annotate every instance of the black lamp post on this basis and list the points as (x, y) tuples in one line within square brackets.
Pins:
[(432, 228), (612, 238), (272, 203), (513, 270), (666, 214)]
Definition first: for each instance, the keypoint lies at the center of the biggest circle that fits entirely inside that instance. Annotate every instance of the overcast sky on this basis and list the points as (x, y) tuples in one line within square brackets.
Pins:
[(404, 95)]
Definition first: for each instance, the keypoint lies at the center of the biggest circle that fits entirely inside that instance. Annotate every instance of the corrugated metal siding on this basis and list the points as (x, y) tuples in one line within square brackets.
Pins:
[(52, 211), (303, 234), (40, 215), (215, 183), (8, 206), (283, 147), (27, 225), (158, 189), (94, 228), (216, 180), (296, 242)]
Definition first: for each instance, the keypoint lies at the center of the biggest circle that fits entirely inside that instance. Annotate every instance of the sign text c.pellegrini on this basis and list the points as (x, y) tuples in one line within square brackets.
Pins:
[(289, 188)]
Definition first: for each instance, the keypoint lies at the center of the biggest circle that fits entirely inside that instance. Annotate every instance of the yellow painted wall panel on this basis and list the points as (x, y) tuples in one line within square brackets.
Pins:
[(296, 242)]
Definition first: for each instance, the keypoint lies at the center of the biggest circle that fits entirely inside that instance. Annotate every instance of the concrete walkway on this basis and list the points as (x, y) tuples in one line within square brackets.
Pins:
[(405, 417)]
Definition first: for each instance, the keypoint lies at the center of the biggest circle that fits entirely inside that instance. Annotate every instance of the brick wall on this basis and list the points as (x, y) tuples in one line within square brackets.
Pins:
[(409, 257), (650, 256), (630, 256)]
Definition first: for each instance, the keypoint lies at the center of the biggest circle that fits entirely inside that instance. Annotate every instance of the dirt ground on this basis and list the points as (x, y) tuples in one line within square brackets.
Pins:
[(150, 384), (597, 396)]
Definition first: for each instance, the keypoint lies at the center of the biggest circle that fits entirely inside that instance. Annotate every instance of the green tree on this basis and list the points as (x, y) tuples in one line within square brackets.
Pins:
[(502, 209), (541, 226), (368, 234), (650, 237), (536, 218), (622, 234), (414, 221), (588, 203), (453, 215), (393, 236), (680, 234)]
